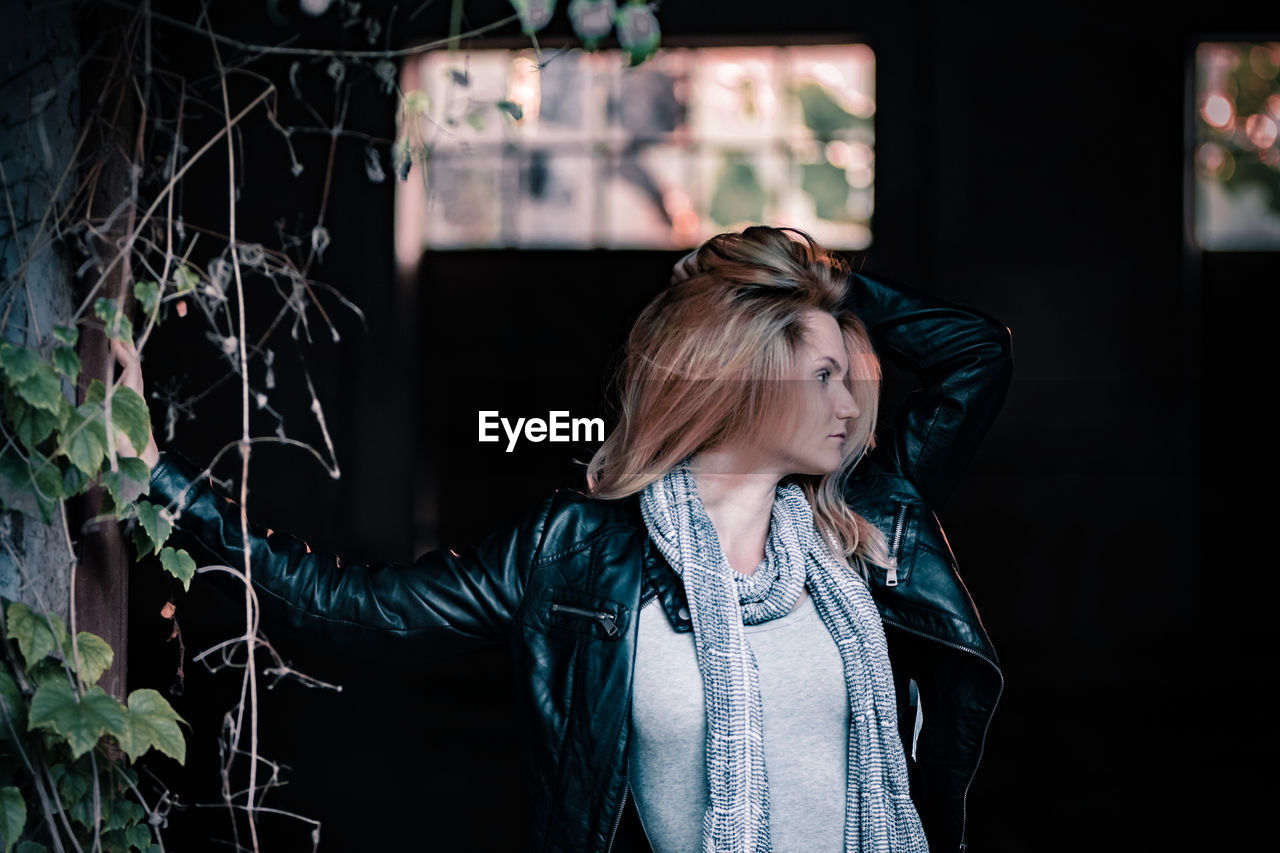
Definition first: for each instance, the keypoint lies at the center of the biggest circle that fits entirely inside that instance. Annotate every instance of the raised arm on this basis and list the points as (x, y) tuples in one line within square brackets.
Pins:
[(963, 359), (443, 603)]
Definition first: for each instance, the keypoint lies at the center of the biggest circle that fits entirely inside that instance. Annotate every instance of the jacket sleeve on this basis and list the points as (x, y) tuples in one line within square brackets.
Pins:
[(443, 603), (963, 359)]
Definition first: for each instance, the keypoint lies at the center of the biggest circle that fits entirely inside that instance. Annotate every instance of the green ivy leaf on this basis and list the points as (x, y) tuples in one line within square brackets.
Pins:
[(179, 564), (116, 323), (138, 835), (109, 507), (31, 847), (74, 481), (122, 813), (72, 784), (18, 362), (14, 467), (127, 840), (154, 522), (39, 424), (185, 279), (15, 710), (46, 670), (96, 393), (148, 295), (113, 482), (67, 334), (85, 438), (82, 721), (75, 785), (67, 362), (127, 484), (512, 109), (48, 479), (42, 388), (129, 415), (34, 634), (137, 470), (152, 722), (43, 483), (142, 544), (95, 656), (15, 407), (46, 507), (13, 815), (32, 425)]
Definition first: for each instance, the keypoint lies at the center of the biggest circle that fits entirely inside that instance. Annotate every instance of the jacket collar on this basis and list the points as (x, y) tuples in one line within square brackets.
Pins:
[(659, 579)]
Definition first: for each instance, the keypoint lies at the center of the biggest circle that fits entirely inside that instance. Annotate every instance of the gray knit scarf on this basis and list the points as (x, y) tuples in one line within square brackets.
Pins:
[(879, 814)]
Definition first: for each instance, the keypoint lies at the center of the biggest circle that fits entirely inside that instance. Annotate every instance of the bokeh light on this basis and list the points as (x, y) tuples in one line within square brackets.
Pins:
[(1261, 130), (1218, 111), (1237, 159)]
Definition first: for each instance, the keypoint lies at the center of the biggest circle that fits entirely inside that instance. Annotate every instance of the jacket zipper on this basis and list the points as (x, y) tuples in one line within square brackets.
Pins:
[(982, 744), (622, 804), (608, 621), (899, 526)]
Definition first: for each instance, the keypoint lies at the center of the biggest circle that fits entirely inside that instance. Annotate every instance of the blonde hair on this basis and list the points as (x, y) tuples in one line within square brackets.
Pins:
[(706, 363)]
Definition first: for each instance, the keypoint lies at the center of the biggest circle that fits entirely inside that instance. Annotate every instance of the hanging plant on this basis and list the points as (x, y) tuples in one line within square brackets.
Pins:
[(638, 31), (592, 20), (534, 14), (66, 744)]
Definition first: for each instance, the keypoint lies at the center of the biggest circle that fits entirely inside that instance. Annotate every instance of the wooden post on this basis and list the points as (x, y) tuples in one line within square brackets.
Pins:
[(109, 110)]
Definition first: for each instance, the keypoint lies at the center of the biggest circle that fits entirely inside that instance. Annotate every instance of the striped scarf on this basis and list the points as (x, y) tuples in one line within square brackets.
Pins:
[(879, 814)]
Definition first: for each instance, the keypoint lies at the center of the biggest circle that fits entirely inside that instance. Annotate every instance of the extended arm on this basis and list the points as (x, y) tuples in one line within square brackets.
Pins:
[(443, 603), (964, 361)]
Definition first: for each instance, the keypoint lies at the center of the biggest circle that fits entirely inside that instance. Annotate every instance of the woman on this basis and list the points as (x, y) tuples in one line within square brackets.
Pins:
[(749, 397)]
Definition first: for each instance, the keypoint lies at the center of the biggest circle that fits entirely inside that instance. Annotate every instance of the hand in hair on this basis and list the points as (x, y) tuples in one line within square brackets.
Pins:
[(131, 377), (685, 267)]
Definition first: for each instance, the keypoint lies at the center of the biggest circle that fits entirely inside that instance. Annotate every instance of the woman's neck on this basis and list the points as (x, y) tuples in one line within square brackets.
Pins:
[(738, 496)]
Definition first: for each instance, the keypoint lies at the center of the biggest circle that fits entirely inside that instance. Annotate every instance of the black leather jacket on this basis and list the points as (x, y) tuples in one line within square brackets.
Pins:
[(563, 588)]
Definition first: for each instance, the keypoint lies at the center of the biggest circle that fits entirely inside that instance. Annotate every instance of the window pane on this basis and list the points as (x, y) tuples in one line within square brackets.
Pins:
[(590, 152), (1237, 158)]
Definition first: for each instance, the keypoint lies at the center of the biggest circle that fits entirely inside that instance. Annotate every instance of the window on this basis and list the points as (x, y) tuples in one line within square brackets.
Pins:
[(1237, 154), (588, 152)]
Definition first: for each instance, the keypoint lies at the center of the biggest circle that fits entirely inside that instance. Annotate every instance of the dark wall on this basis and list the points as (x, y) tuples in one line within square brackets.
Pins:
[(1030, 163)]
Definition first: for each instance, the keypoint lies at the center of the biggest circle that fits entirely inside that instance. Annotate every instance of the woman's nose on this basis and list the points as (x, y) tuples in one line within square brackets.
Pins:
[(846, 408)]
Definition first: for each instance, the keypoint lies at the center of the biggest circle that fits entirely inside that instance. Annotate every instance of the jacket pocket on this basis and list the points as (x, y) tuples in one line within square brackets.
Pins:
[(579, 613), (898, 521)]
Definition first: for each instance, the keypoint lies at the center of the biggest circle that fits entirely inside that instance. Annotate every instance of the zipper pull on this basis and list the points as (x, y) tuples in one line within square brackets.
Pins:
[(891, 576), (608, 623), (607, 620)]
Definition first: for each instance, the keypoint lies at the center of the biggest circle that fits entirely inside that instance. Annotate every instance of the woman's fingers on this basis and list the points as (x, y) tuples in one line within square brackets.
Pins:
[(130, 365), (126, 355)]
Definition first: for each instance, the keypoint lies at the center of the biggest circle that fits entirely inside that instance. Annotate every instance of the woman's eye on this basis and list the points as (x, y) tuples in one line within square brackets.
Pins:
[(823, 376)]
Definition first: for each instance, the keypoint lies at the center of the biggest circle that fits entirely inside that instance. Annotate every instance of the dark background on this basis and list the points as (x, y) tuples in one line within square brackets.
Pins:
[(1031, 162)]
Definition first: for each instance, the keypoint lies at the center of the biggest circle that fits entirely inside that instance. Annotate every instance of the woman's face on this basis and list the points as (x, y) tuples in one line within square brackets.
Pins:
[(822, 410)]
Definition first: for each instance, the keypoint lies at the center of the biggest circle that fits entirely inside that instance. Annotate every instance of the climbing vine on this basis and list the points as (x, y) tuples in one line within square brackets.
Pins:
[(61, 737), (67, 746)]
